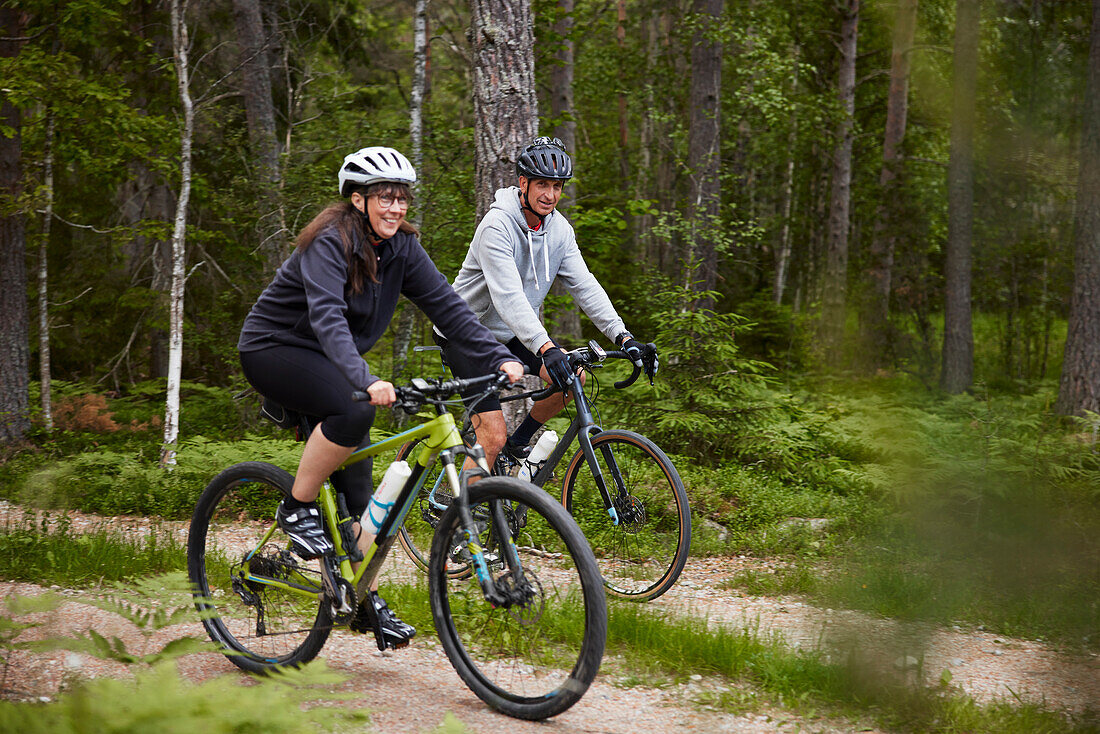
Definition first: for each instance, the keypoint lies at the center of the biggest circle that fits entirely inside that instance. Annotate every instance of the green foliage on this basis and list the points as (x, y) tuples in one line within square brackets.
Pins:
[(993, 517), (49, 552), (11, 628), (131, 482), (158, 698), (150, 604)]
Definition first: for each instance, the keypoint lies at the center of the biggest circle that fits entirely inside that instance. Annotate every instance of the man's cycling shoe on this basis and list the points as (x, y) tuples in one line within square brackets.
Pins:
[(515, 451), (374, 615), (303, 527)]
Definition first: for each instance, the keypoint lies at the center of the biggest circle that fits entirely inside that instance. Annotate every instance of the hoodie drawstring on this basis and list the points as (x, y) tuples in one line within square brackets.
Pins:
[(545, 259), (531, 254)]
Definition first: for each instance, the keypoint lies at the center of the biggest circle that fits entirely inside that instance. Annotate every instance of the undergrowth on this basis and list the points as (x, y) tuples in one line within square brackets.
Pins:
[(47, 552)]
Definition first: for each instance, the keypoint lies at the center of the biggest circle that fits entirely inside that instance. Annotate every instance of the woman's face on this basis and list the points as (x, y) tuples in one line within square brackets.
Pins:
[(385, 210)]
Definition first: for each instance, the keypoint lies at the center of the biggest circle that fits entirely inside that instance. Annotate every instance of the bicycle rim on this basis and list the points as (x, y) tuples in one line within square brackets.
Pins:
[(416, 533), (260, 626), (642, 556), (535, 658)]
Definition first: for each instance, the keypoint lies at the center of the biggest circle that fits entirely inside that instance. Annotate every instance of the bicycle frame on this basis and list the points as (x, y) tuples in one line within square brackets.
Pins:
[(441, 438), (582, 427)]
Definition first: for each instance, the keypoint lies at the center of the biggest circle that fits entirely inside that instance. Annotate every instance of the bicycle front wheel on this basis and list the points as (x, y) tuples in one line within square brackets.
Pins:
[(534, 656), (642, 556), (258, 600), (433, 500)]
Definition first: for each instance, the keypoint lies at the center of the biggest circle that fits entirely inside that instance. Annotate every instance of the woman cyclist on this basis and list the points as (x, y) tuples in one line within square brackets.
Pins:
[(329, 303)]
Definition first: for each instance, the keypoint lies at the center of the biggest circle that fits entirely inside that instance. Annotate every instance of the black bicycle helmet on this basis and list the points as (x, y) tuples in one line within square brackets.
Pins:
[(545, 158)]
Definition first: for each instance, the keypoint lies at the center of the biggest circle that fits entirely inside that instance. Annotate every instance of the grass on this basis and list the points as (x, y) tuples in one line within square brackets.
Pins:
[(650, 646), (48, 553)]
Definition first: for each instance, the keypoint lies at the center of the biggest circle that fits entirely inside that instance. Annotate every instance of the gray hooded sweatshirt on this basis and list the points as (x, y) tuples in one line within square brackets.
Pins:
[(510, 268)]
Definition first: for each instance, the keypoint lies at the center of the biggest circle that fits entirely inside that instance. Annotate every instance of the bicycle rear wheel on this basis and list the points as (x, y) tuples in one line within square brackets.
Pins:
[(642, 556), (433, 500), (260, 626), (535, 657)]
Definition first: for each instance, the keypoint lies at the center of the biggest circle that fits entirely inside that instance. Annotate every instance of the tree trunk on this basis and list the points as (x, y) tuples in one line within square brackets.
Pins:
[(407, 319), (259, 107), (1079, 389), (783, 250), (44, 283), (624, 127), (876, 296), (14, 316), (704, 149), (505, 105), (957, 372), (180, 45), (567, 317), (835, 291)]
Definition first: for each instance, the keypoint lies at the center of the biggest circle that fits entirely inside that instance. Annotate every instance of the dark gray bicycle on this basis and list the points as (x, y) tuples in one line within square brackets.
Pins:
[(620, 487)]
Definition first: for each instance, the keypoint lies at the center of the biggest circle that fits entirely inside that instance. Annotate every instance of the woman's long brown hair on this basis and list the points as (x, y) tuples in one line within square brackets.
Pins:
[(349, 223)]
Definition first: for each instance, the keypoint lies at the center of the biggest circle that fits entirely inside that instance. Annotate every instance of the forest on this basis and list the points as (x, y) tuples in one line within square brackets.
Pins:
[(863, 234)]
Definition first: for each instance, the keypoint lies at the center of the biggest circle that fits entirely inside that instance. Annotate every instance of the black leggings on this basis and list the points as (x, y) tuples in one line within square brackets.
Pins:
[(306, 381)]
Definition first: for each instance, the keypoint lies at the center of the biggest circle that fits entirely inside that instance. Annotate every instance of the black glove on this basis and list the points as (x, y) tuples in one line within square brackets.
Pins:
[(556, 362), (643, 355)]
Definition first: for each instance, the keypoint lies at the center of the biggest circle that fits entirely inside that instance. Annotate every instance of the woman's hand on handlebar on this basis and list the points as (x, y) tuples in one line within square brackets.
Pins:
[(514, 370), (381, 393)]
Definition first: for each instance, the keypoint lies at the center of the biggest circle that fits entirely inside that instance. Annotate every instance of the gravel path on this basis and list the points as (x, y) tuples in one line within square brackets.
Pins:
[(414, 689)]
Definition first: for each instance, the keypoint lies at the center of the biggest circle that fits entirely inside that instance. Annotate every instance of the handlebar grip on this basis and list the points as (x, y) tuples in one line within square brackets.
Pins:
[(360, 396), (630, 380)]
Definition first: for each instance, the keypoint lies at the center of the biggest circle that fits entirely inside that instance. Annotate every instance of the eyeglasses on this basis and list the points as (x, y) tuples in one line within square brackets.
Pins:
[(388, 200)]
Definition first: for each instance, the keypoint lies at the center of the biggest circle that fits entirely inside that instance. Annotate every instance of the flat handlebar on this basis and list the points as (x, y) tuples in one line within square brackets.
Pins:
[(420, 391)]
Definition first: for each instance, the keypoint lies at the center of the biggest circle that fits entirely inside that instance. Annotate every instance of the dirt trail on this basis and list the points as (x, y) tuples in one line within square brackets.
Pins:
[(413, 690)]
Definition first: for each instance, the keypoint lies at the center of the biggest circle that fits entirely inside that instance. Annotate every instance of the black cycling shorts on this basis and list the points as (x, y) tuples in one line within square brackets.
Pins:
[(461, 366), (307, 381)]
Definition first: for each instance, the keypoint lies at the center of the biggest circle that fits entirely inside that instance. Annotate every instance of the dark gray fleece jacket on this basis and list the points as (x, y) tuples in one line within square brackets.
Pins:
[(308, 304)]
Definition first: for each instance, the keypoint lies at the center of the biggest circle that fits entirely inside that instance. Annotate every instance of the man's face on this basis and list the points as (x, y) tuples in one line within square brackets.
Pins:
[(542, 193)]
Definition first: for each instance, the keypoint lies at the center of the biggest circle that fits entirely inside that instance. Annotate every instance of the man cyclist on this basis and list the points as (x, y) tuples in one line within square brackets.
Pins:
[(521, 245)]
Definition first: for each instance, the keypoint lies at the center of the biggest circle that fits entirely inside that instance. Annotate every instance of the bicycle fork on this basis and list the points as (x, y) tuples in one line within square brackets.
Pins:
[(510, 589)]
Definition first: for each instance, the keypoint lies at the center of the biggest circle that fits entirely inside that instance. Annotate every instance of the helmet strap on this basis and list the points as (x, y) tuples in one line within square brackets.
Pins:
[(525, 199)]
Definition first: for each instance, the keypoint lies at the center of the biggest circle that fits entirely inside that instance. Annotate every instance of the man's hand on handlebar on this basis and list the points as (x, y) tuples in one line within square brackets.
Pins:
[(643, 355), (556, 361), (381, 393)]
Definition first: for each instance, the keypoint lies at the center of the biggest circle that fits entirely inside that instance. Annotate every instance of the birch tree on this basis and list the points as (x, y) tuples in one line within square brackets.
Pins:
[(835, 292), (407, 320), (180, 47), (44, 281)]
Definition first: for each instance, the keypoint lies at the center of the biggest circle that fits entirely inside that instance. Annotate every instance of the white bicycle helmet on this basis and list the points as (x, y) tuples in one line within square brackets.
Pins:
[(374, 165)]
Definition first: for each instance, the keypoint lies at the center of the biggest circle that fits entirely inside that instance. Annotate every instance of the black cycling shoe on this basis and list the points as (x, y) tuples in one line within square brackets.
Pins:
[(303, 527), (515, 451), (374, 615)]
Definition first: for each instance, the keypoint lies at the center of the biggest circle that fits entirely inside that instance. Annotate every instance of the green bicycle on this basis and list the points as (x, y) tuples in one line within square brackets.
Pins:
[(525, 631)]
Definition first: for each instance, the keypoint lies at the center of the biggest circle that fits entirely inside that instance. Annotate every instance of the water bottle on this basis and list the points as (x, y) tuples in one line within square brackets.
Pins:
[(383, 498), (546, 443)]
